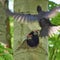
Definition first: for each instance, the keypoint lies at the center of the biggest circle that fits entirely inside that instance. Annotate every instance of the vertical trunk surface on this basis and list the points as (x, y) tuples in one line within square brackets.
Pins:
[(21, 30), (4, 26)]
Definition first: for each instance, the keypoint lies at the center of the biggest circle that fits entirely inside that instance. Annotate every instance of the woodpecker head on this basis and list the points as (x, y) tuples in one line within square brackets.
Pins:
[(39, 8)]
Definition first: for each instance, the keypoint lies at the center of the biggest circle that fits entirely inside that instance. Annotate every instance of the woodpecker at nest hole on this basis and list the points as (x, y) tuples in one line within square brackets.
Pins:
[(33, 39)]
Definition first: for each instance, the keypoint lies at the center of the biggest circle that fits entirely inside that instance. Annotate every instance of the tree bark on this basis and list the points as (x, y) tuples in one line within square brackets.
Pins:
[(4, 26), (21, 31)]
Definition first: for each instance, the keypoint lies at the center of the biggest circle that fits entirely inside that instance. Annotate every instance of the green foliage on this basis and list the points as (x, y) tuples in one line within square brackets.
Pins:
[(54, 41), (52, 5), (11, 29), (1, 58), (7, 56), (55, 20), (5, 53), (54, 47), (1, 48)]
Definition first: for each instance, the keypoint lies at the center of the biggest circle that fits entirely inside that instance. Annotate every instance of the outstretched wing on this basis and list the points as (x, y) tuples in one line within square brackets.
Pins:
[(49, 31), (22, 17), (52, 13), (29, 17), (54, 30)]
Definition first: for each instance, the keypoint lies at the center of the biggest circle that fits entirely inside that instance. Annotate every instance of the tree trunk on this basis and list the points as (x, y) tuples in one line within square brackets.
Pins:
[(4, 26), (21, 31)]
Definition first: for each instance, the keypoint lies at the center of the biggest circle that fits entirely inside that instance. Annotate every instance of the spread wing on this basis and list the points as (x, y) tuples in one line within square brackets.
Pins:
[(54, 30), (52, 13), (22, 17), (30, 17), (50, 31)]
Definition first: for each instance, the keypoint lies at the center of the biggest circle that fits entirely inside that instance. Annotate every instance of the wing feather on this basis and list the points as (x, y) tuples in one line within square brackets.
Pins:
[(21, 16), (52, 13), (50, 31)]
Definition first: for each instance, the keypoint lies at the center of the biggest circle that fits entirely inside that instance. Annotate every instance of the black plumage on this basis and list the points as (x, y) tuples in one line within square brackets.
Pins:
[(47, 28), (42, 17), (33, 17), (33, 39)]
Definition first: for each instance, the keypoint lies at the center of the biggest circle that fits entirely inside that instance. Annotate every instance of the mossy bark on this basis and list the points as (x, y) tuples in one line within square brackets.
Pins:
[(4, 27), (21, 30)]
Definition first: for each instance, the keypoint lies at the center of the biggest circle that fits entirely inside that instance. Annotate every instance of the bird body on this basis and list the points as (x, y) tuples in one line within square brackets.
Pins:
[(34, 21), (33, 39), (42, 18)]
